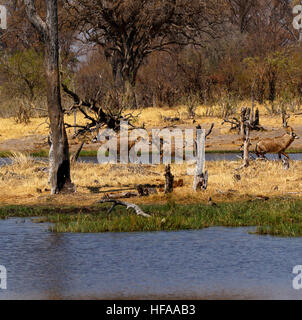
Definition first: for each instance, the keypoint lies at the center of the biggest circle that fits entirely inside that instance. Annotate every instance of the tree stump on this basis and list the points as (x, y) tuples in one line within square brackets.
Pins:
[(201, 181), (256, 121), (285, 163), (169, 180)]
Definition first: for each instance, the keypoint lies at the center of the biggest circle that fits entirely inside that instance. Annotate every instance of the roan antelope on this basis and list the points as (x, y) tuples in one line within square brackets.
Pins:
[(276, 145)]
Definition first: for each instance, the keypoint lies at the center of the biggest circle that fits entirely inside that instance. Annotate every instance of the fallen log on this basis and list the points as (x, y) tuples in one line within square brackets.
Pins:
[(117, 196), (128, 206)]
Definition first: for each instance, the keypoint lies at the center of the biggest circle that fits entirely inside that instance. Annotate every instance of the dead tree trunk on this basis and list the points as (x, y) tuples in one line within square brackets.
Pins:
[(48, 30), (245, 115), (246, 145), (256, 122), (253, 105), (242, 121), (200, 177), (285, 118)]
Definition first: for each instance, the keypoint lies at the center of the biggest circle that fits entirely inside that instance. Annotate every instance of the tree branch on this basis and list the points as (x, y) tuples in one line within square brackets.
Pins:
[(137, 209), (35, 19)]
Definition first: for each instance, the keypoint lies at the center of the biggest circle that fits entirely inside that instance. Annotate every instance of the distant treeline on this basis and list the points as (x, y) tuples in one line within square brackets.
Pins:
[(139, 53)]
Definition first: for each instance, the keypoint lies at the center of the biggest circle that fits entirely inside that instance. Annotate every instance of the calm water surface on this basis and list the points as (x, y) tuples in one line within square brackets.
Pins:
[(210, 263)]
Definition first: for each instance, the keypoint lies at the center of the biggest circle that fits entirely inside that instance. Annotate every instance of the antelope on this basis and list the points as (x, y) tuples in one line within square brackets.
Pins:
[(276, 145)]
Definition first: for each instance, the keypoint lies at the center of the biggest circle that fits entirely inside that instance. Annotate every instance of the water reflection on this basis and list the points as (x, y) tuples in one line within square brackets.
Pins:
[(210, 263)]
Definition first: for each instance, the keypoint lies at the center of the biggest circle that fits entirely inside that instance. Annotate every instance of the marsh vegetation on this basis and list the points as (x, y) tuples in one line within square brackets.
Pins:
[(275, 217)]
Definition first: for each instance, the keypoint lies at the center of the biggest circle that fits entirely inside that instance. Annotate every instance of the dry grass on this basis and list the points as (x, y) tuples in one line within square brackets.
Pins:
[(25, 181), (151, 117)]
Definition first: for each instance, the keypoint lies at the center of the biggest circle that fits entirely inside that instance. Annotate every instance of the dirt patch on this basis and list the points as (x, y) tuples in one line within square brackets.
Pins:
[(220, 140)]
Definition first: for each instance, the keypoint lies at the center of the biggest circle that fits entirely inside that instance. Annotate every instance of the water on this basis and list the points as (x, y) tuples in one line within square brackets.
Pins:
[(209, 157), (210, 263)]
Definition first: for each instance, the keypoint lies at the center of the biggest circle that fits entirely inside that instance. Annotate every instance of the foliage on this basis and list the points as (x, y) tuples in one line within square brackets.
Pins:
[(23, 87), (163, 52)]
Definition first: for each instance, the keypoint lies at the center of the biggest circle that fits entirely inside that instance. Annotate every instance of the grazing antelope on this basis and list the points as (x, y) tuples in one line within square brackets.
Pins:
[(276, 145)]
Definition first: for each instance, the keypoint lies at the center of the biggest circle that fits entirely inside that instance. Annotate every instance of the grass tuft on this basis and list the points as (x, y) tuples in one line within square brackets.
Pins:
[(274, 217)]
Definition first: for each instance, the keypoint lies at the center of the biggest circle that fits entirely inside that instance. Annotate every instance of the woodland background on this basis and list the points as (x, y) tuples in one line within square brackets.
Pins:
[(204, 53)]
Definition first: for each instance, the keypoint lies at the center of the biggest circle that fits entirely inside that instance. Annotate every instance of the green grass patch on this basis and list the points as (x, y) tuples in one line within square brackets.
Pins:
[(294, 151), (273, 217), (5, 154), (40, 154), (93, 153)]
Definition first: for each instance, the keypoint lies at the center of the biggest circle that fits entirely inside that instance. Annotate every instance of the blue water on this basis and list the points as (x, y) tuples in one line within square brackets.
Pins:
[(211, 263)]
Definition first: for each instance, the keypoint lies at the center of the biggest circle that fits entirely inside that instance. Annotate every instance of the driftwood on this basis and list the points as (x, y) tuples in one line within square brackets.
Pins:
[(133, 206), (124, 195), (169, 180)]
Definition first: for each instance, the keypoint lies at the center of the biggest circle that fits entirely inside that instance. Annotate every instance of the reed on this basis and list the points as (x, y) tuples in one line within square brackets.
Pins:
[(275, 217)]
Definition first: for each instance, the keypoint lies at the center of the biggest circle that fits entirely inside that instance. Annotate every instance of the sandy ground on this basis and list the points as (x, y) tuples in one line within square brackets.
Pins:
[(25, 139)]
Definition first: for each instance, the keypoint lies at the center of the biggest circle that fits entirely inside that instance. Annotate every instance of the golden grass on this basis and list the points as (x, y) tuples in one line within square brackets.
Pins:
[(9, 129), (151, 117), (24, 182)]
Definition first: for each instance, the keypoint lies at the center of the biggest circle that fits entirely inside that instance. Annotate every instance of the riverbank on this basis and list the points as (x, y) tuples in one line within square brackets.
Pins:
[(276, 217), (263, 195)]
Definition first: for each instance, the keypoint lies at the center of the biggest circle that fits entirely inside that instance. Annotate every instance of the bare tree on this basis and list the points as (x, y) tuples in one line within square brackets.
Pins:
[(59, 156), (130, 30)]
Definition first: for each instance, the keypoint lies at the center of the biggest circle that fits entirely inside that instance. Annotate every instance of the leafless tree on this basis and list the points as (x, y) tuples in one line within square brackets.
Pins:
[(130, 30), (59, 156)]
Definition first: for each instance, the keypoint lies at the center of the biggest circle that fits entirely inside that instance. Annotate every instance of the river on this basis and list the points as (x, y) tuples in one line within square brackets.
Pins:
[(212, 263)]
